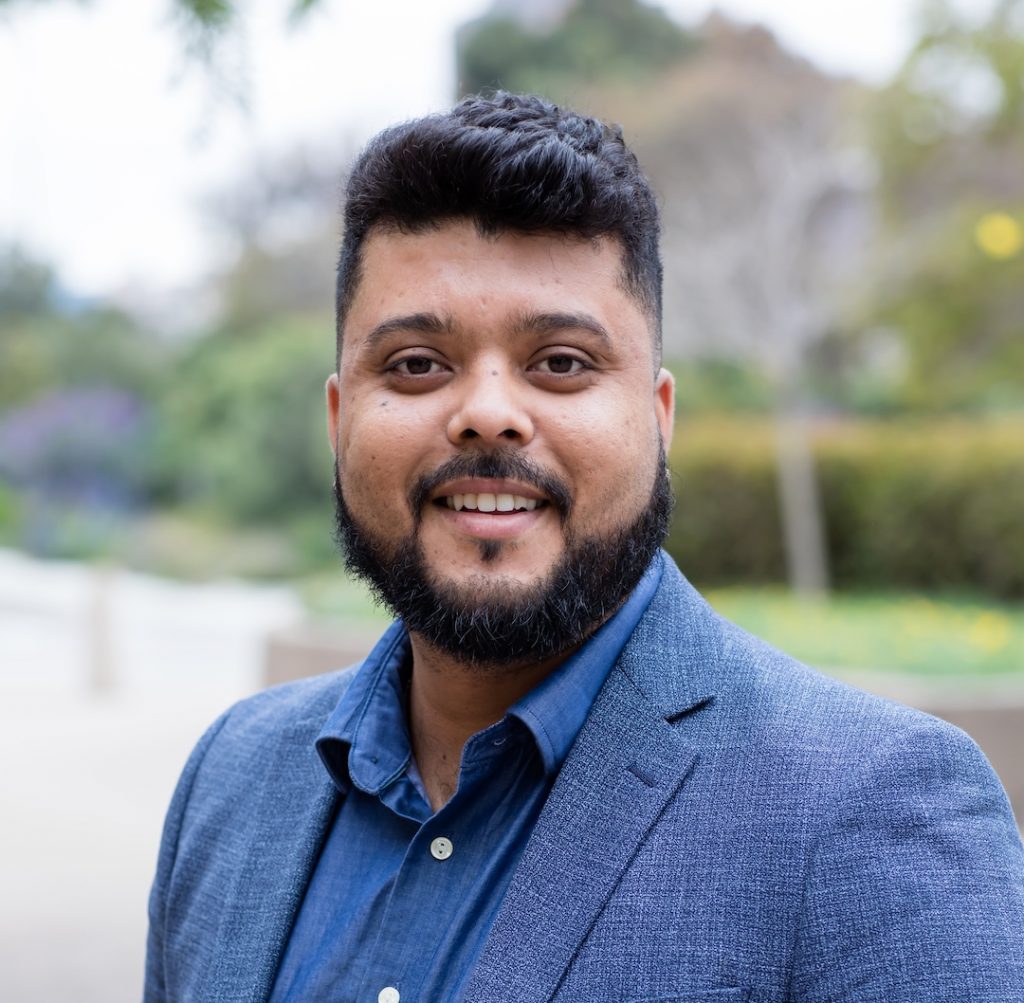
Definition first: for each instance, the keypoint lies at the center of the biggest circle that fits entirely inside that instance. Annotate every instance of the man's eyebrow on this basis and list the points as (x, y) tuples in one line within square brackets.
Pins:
[(425, 323), (550, 323), (541, 322)]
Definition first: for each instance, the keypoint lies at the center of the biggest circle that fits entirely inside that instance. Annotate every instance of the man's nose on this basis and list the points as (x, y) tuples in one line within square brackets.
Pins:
[(491, 408)]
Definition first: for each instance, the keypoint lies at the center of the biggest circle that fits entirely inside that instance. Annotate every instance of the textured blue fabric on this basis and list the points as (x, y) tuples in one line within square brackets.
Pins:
[(380, 909), (728, 825)]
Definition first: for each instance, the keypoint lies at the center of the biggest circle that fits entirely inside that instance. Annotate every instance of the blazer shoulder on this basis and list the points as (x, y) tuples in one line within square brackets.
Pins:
[(737, 689), (246, 740), (288, 705)]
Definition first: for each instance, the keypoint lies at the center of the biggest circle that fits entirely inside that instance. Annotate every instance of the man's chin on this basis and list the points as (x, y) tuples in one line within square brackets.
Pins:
[(491, 567), (497, 589)]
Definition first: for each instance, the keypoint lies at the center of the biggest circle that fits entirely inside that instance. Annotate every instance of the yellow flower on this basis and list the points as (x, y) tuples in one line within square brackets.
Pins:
[(999, 235), (990, 632)]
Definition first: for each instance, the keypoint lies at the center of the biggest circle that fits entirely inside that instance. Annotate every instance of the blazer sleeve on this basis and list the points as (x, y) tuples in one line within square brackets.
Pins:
[(155, 988), (915, 890)]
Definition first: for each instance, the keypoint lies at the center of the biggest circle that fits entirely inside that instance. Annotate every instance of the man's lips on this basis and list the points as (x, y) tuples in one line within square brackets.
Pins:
[(491, 525)]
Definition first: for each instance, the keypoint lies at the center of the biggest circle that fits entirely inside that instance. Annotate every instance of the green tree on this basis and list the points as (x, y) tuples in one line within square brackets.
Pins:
[(209, 15), (596, 41), (949, 137), (243, 424), (47, 344)]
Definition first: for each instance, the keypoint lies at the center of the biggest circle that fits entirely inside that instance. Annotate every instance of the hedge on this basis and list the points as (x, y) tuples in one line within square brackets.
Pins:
[(908, 504)]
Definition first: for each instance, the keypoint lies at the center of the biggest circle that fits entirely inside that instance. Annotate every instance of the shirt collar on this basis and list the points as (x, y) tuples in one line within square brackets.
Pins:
[(365, 741), (556, 708)]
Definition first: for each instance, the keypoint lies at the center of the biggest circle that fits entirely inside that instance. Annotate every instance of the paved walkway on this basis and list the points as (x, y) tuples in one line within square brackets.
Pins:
[(106, 681)]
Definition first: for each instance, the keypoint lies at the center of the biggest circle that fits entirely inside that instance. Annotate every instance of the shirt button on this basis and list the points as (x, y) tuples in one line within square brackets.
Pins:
[(389, 994), (441, 849)]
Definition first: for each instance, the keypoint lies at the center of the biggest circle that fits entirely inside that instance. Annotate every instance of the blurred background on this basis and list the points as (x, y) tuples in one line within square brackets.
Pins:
[(843, 196)]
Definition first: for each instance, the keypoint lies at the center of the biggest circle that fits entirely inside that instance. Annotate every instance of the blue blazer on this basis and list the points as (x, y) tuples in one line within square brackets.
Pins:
[(728, 826)]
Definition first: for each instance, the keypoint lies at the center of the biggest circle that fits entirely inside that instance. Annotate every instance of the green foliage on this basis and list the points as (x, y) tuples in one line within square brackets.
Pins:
[(211, 13), (27, 286), (597, 41), (46, 352), (46, 345), (244, 419), (962, 80), (949, 135), (954, 51), (907, 504), (960, 315), (889, 631), (10, 515), (720, 385)]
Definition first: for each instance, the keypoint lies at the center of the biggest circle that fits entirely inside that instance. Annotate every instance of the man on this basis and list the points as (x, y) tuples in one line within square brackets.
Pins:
[(559, 776)]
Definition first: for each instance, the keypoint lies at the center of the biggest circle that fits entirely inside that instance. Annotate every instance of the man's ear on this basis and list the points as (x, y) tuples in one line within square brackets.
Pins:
[(333, 411), (665, 405)]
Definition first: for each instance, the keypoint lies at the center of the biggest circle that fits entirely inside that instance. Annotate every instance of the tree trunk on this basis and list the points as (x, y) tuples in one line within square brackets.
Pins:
[(800, 505)]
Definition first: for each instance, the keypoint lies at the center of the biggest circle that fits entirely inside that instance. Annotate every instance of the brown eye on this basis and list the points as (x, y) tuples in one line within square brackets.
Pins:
[(561, 365), (416, 365)]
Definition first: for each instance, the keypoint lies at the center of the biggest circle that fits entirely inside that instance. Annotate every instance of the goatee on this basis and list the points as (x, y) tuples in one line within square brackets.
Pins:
[(501, 623)]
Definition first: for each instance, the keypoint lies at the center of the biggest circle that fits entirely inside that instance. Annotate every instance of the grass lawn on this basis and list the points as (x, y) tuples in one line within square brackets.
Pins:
[(911, 633)]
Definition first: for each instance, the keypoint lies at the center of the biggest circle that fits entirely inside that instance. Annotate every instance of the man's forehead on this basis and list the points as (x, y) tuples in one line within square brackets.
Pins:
[(455, 260), (465, 234), (455, 270)]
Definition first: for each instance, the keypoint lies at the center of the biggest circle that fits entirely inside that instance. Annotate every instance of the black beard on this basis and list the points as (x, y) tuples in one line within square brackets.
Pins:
[(510, 625)]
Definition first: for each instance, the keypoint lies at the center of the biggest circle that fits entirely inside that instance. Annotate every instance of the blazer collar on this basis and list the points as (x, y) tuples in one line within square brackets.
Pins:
[(675, 655)]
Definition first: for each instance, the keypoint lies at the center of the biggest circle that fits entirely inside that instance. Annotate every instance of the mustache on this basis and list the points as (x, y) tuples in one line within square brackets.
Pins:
[(501, 465)]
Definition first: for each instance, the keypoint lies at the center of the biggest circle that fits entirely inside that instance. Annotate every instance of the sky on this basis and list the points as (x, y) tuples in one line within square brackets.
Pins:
[(111, 141)]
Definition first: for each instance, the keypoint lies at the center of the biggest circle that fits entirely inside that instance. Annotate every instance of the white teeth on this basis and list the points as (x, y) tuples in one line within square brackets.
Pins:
[(491, 502)]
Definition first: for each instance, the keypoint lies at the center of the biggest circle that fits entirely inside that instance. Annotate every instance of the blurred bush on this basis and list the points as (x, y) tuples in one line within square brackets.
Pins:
[(907, 504), (242, 424)]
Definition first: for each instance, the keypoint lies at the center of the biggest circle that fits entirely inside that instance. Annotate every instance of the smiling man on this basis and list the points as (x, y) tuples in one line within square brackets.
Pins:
[(559, 775)]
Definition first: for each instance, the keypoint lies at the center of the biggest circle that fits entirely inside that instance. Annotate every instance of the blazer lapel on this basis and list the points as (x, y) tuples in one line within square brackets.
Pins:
[(290, 821), (603, 803), (625, 766)]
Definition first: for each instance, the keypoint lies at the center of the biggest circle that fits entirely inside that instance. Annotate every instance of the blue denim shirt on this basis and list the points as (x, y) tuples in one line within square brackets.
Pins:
[(403, 898)]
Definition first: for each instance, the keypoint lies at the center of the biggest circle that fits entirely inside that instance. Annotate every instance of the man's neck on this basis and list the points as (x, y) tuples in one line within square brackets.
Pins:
[(450, 702)]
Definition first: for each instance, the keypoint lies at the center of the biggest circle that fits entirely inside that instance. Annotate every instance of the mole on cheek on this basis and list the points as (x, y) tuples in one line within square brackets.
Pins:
[(494, 372)]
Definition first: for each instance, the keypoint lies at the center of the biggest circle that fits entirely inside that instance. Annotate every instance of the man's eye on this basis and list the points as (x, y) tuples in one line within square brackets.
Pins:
[(417, 365), (561, 365)]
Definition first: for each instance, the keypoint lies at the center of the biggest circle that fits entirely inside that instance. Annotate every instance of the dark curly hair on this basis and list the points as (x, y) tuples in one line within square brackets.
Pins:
[(508, 163)]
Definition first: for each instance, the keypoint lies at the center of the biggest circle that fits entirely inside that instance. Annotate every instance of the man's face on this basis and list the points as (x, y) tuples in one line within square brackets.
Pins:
[(461, 352)]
